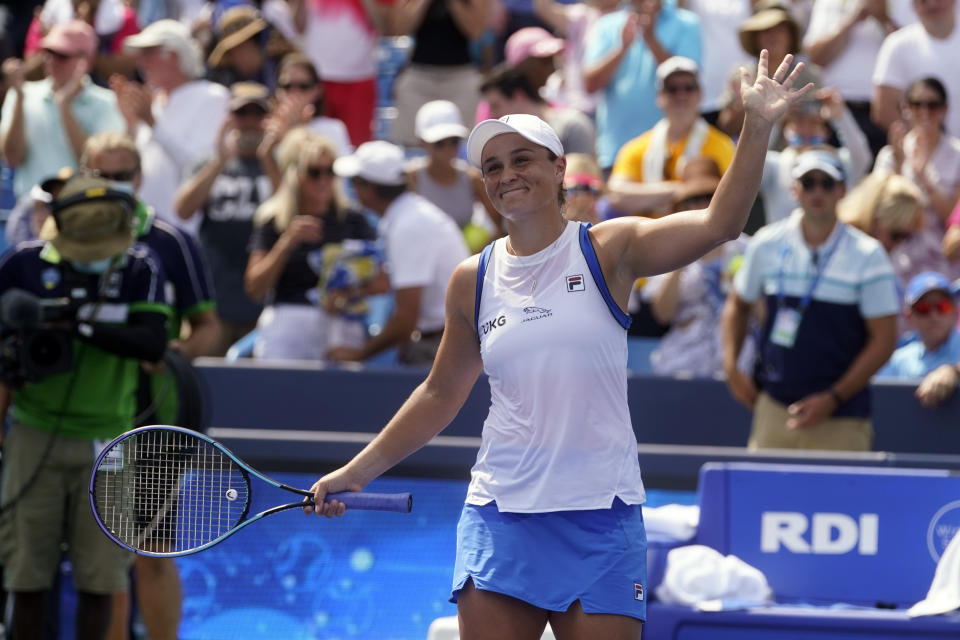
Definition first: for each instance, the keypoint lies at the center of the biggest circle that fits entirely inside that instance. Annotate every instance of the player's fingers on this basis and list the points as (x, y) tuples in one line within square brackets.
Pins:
[(762, 63), (783, 70)]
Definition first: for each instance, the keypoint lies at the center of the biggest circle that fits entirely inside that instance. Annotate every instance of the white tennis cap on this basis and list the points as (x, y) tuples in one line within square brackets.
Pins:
[(675, 64), (817, 160), (172, 35), (438, 120), (529, 126), (378, 162)]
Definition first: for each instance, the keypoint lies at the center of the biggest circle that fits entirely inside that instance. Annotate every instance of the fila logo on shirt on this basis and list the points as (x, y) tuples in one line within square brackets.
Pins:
[(637, 591), (575, 283)]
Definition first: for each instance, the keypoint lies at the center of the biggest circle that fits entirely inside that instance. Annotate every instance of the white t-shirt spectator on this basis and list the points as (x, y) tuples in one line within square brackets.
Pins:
[(911, 53), (846, 71), (184, 133), (340, 40), (423, 247)]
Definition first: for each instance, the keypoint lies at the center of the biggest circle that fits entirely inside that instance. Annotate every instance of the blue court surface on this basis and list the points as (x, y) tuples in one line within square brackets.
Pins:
[(365, 575), (296, 577)]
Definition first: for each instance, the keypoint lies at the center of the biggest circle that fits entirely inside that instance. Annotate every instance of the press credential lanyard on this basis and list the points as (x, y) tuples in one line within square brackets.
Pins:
[(787, 322)]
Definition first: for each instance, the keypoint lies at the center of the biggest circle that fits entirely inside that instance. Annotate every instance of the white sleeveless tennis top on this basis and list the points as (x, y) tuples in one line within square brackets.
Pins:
[(554, 346)]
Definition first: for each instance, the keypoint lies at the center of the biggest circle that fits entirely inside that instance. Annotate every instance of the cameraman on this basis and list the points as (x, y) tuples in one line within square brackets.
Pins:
[(95, 304), (114, 157)]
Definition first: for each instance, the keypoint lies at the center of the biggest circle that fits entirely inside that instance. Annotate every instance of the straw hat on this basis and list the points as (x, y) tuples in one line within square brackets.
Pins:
[(768, 14), (237, 25)]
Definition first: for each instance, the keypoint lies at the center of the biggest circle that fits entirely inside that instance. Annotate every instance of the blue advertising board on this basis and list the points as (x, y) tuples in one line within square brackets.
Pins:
[(832, 534)]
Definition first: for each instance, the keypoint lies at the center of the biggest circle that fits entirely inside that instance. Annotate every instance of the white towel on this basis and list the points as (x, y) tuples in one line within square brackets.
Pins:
[(944, 593), (677, 521), (697, 573)]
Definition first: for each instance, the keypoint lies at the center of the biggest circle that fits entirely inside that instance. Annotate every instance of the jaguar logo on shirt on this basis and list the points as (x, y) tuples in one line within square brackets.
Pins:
[(535, 313)]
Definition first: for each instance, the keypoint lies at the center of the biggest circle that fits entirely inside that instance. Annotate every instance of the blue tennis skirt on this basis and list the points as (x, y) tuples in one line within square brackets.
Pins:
[(553, 559)]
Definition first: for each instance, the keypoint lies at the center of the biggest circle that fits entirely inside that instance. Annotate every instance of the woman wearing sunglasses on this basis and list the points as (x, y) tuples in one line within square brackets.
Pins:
[(307, 212), (300, 100), (921, 149), (934, 354)]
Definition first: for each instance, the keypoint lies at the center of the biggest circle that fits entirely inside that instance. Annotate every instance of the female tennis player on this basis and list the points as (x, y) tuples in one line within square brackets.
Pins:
[(552, 527)]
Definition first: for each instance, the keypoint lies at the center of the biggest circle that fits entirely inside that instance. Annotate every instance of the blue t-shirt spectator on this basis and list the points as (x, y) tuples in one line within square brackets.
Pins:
[(627, 107)]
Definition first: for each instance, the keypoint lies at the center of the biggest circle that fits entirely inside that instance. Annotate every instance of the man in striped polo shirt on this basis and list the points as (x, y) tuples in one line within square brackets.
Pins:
[(830, 307)]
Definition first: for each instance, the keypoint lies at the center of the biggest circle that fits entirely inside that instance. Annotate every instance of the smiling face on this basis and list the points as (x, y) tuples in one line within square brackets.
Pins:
[(519, 176)]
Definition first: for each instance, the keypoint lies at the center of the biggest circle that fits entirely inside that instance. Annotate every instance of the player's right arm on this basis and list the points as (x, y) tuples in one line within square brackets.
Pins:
[(431, 406)]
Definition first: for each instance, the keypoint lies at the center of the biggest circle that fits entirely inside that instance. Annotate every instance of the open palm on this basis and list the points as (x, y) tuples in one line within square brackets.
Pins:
[(769, 97)]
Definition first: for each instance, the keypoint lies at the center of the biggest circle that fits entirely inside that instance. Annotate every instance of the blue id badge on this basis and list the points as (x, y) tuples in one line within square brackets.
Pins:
[(785, 326)]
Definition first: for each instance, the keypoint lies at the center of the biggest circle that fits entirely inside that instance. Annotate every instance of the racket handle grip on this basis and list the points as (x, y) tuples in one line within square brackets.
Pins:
[(398, 502)]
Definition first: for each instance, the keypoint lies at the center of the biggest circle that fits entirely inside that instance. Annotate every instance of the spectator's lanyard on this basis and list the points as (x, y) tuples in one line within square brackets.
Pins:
[(787, 321)]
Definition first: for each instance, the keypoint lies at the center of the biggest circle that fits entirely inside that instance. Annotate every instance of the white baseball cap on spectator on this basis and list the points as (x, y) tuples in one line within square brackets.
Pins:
[(174, 36), (529, 126), (438, 120), (675, 64), (818, 160), (378, 162)]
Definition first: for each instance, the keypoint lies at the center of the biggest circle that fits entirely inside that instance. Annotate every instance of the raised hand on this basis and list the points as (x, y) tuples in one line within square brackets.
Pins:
[(769, 97), (227, 139), (13, 72)]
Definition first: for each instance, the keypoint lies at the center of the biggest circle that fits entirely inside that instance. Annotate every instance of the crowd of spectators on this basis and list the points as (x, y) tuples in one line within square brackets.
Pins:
[(247, 129), (223, 100), (240, 109)]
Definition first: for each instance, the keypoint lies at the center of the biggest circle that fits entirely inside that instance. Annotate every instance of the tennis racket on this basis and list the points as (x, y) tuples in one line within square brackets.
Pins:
[(166, 491)]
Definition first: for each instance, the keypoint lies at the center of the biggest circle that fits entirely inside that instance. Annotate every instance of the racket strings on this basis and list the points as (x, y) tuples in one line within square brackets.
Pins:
[(168, 491)]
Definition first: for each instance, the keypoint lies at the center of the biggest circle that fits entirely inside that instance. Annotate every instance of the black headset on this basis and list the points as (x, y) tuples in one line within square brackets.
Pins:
[(91, 195)]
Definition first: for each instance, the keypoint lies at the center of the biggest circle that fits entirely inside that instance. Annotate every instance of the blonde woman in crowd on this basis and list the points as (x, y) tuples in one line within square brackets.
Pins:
[(886, 206), (308, 212)]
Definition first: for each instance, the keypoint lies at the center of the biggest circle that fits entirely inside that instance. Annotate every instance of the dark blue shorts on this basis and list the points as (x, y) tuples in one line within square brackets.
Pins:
[(553, 559)]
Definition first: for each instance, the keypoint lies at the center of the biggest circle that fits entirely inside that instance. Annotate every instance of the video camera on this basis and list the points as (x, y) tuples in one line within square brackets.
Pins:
[(38, 337)]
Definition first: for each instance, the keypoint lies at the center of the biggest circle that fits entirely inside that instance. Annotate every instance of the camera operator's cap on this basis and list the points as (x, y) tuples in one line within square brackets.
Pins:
[(245, 93), (71, 38), (817, 160), (174, 36), (529, 126), (378, 162), (926, 282), (438, 120), (236, 26), (675, 64), (90, 220), (531, 42)]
